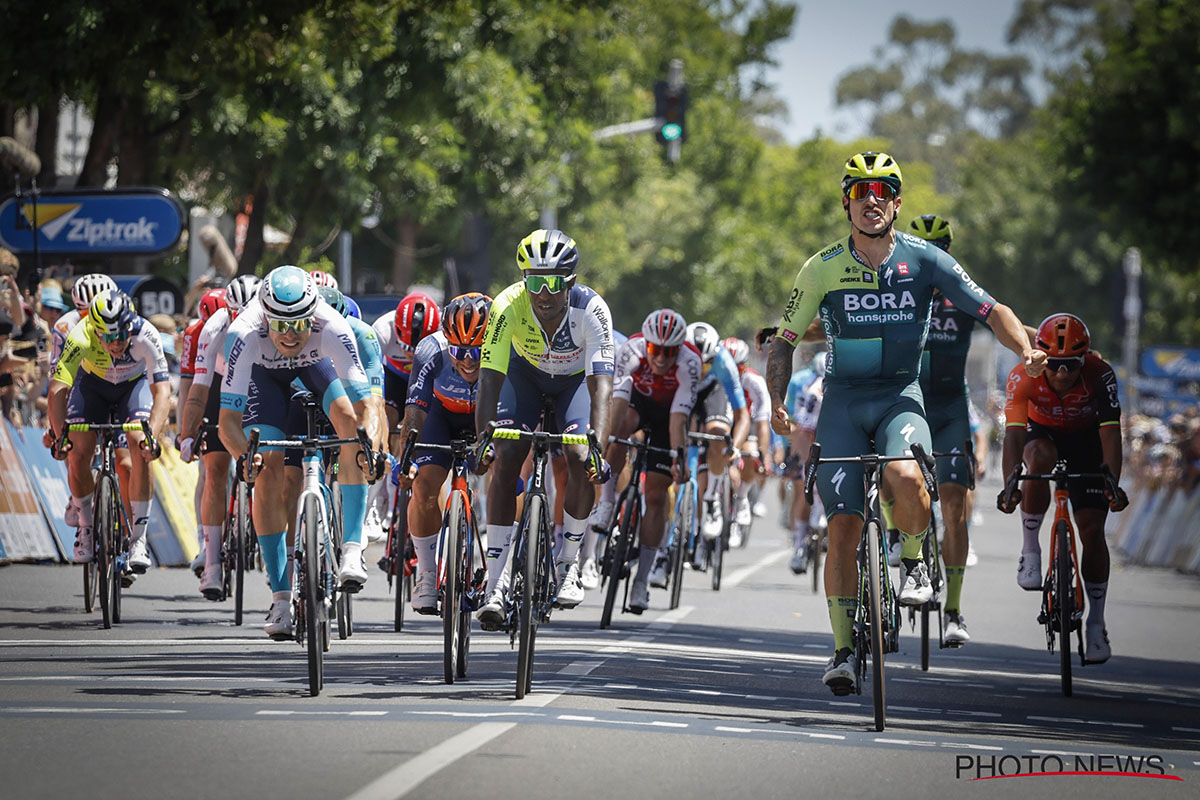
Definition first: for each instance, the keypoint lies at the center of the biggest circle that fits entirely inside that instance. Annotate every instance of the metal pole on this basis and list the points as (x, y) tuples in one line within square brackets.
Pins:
[(344, 262), (1133, 314), (675, 84)]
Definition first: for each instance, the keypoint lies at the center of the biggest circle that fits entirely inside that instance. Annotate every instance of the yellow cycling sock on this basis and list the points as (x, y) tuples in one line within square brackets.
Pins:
[(841, 617), (910, 546), (885, 511), (954, 578)]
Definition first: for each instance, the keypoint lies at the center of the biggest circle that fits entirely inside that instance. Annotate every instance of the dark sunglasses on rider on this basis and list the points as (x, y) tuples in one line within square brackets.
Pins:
[(1071, 363), (463, 353), (113, 338), (653, 349), (881, 189)]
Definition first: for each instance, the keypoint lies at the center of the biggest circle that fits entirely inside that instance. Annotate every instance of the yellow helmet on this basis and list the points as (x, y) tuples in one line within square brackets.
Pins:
[(872, 166), (932, 228), (548, 250)]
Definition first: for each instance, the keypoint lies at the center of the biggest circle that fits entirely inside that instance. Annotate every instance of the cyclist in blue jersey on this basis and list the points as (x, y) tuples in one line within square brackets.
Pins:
[(873, 291), (721, 409)]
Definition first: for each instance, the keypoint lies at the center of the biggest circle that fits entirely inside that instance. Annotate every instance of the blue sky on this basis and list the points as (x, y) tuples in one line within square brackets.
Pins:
[(831, 37)]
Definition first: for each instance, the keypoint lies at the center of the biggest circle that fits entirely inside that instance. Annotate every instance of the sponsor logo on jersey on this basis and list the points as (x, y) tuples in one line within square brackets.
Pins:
[(902, 268), (971, 285), (789, 336), (881, 302), (832, 251), (792, 302), (985, 309)]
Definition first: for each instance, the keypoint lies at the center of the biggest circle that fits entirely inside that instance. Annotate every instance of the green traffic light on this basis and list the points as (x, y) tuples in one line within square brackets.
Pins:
[(671, 131)]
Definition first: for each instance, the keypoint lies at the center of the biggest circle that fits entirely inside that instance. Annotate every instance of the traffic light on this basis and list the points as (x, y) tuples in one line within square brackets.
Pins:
[(670, 107)]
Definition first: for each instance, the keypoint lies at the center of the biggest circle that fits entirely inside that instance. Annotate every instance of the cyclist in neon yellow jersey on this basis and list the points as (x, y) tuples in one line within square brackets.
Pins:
[(873, 291), (547, 337), (112, 360)]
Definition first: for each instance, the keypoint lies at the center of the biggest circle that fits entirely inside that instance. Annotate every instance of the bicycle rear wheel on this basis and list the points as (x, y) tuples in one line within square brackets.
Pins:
[(102, 544), (452, 547), (1064, 601), (312, 600), (685, 531), (619, 553), (875, 613), (530, 553)]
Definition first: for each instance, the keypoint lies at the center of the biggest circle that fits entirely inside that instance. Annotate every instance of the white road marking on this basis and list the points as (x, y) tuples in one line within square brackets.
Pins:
[(1087, 722), (84, 710), (745, 572), (294, 713), (907, 742), (970, 746), (403, 778), (1181, 729)]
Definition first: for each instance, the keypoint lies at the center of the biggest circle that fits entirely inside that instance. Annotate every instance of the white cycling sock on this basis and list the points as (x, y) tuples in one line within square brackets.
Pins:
[(743, 491), (573, 530), (499, 539), (426, 547), (1096, 592), (141, 518), (590, 537), (212, 544), (1032, 526), (646, 556)]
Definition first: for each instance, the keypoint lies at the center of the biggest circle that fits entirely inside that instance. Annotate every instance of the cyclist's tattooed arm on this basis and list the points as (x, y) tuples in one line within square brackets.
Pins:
[(779, 362)]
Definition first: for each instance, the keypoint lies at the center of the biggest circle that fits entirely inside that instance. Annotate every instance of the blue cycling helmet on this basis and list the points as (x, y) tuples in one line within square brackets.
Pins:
[(352, 309), (335, 298), (289, 293)]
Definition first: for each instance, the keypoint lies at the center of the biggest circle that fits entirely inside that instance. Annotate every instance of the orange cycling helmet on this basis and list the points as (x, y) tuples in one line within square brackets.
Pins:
[(465, 319), (1063, 336)]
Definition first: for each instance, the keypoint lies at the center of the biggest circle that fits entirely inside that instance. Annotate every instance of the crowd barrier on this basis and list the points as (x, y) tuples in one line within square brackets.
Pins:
[(33, 496), (1161, 528)]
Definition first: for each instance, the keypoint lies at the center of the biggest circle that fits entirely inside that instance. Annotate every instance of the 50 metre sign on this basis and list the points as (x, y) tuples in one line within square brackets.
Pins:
[(135, 221)]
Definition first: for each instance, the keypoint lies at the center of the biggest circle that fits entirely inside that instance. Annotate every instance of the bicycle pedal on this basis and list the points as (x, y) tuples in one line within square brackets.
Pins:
[(215, 595), (127, 580), (350, 587)]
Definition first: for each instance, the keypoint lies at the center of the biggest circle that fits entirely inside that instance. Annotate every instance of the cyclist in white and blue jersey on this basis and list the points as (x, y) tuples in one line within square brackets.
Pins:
[(288, 332)]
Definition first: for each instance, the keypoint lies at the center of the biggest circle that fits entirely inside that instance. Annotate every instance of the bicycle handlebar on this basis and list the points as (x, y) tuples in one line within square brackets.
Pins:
[(143, 426), (1011, 494), (917, 453)]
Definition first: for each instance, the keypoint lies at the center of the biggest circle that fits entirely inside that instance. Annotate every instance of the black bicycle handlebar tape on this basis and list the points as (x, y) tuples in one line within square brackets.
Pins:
[(923, 461), (63, 443), (251, 452), (19, 158), (406, 453), (810, 470), (150, 443), (1012, 486)]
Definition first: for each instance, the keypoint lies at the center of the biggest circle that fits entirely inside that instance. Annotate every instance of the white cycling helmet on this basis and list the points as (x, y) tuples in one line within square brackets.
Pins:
[(705, 338), (87, 287), (324, 278), (240, 291), (289, 293), (665, 328)]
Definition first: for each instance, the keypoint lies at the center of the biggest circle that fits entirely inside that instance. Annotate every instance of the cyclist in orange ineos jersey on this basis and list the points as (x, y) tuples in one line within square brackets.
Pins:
[(1070, 412)]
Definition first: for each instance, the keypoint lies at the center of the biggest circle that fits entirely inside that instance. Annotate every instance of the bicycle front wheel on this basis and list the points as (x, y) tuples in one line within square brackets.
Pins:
[(467, 539), (530, 552), (312, 599), (1064, 602), (102, 544), (396, 554), (685, 530), (619, 555), (875, 614), (452, 547), (243, 531), (90, 579)]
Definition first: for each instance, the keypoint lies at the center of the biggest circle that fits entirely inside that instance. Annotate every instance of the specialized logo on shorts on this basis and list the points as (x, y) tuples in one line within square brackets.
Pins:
[(838, 477), (907, 431)]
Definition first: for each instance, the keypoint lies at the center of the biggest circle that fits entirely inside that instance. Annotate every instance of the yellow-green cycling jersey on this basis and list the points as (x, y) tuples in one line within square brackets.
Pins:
[(83, 349), (582, 343)]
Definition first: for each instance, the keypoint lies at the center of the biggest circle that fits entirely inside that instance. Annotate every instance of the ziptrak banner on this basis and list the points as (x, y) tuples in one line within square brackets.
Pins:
[(139, 221), (1177, 363)]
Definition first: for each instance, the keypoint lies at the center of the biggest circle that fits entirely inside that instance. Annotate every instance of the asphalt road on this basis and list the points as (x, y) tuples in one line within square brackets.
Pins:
[(720, 698)]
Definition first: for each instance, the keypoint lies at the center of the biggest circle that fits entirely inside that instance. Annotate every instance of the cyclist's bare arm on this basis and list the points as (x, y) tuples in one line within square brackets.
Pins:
[(600, 388), (193, 411), (160, 408), (1110, 447), (779, 371), (487, 397), (230, 430), (741, 426)]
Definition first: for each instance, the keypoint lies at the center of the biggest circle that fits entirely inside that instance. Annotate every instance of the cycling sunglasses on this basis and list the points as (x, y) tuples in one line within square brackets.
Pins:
[(286, 325), (113, 338), (463, 353), (551, 283), (1071, 363), (653, 349), (881, 189)]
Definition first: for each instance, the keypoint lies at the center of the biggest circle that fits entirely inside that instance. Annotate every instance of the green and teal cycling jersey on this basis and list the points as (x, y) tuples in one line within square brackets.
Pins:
[(944, 360), (876, 321)]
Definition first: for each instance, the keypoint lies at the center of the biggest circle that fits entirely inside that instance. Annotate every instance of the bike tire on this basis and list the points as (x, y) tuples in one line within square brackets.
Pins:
[(685, 524), (312, 594), (90, 579), (926, 548), (530, 554), (244, 530), (620, 555), (466, 571), (875, 614), (396, 553), (718, 546), (451, 587), (102, 546), (1064, 605), (119, 548)]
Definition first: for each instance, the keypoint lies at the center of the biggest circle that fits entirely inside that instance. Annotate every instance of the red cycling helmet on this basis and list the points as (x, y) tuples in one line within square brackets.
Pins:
[(466, 319), (210, 301), (1063, 336), (417, 316)]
